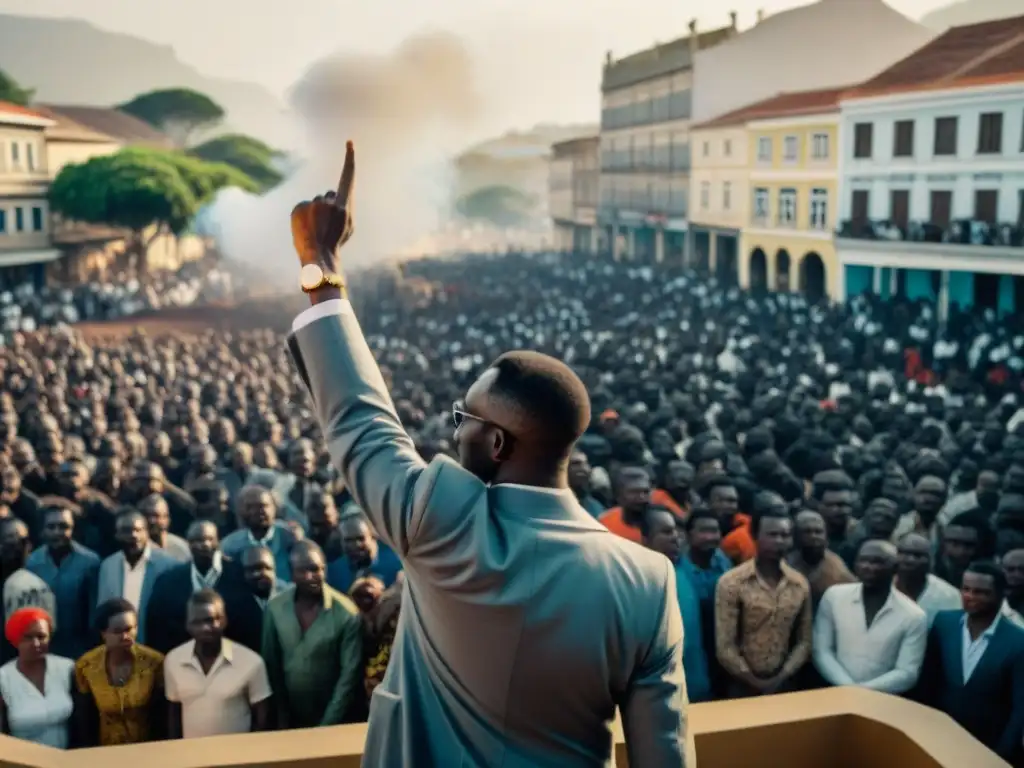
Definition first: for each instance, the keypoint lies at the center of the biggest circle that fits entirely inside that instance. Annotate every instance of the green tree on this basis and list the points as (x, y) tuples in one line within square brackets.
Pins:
[(250, 156), (502, 206), (178, 112), (147, 192), (11, 92)]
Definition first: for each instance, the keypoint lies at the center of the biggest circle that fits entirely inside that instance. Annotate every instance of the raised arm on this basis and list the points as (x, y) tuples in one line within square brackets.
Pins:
[(654, 709), (374, 454)]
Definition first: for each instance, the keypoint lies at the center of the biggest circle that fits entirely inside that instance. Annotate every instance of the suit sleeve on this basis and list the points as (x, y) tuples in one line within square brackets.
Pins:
[(273, 657), (654, 708), (1009, 745), (374, 454), (350, 671)]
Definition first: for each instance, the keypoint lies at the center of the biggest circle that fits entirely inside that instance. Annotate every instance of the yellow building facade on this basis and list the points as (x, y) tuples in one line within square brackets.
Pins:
[(787, 243), (720, 198)]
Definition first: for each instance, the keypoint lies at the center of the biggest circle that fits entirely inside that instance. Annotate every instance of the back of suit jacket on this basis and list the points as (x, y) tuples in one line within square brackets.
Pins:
[(524, 622)]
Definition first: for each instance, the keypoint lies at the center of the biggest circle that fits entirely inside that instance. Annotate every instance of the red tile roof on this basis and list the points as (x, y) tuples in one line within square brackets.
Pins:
[(16, 109), (793, 104), (988, 53)]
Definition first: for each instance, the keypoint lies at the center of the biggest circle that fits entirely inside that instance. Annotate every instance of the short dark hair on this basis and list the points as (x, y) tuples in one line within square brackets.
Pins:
[(989, 568), (701, 513), (548, 393), (645, 519), (205, 596), (105, 611), (758, 518), (716, 481)]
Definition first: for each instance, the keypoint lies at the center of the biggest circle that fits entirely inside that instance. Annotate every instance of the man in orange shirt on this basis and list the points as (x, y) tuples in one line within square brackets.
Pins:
[(723, 499), (634, 496)]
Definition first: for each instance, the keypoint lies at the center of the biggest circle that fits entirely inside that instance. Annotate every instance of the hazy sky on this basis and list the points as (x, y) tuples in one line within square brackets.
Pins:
[(536, 60)]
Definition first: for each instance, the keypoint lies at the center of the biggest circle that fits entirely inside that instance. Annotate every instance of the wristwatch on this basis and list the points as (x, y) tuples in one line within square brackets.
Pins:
[(313, 277)]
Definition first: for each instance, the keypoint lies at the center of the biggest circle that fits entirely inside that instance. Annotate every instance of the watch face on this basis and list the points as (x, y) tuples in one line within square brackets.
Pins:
[(311, 276)]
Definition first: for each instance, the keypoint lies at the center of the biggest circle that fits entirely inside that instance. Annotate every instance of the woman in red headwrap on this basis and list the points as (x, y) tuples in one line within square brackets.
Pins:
[(35, 688)]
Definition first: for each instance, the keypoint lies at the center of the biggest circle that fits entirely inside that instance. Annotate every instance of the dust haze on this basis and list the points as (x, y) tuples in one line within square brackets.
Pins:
[(408, 114)]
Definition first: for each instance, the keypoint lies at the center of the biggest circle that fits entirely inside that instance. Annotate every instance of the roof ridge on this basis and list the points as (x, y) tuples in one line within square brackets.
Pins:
[(981, 58)]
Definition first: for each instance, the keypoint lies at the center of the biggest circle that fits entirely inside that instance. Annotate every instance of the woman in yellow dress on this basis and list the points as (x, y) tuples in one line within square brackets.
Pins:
[(120, 683)]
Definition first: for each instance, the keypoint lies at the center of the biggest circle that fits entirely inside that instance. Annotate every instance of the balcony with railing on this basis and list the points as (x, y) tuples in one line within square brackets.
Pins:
[(961, 237), (844, 727)]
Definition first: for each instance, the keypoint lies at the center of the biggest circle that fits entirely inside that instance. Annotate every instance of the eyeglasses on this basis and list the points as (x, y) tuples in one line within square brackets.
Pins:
[(460, 415)]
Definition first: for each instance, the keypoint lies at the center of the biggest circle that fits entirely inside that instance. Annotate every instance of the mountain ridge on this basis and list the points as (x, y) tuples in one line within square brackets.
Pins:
[(114, 67)]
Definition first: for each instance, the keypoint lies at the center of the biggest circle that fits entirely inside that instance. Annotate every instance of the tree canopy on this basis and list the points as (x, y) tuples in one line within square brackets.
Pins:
[(178, 112), (11, 92), (502, 206), (143, 190), (250, 156)]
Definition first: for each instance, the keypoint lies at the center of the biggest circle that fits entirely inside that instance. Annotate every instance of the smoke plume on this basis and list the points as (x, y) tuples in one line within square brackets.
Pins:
[(408, 113)]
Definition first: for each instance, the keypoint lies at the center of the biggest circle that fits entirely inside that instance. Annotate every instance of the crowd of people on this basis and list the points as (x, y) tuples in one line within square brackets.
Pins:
[(840, 488), (25, 308)]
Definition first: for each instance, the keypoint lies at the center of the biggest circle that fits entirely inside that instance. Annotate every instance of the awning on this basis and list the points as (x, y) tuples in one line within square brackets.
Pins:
[(21, 258)]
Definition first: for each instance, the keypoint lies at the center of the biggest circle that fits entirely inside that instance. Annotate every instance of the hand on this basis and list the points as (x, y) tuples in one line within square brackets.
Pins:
[(322, 225)]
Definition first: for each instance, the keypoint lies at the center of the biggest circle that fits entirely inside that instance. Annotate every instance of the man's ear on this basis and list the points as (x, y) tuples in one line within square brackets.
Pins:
[(502, 446)]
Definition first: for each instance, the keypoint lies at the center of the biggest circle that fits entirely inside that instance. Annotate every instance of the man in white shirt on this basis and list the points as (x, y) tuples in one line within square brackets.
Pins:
[(214, 686), (870, 634), (132, 572)]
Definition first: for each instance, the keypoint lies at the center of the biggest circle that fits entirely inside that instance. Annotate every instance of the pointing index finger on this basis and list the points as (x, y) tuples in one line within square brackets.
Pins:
[(348, 176)]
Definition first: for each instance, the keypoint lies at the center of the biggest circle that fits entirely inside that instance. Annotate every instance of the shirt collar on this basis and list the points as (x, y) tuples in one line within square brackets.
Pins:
[(147, 551), (226, 653), (265, 541), (987, 634), (537, 488), (212, 575)]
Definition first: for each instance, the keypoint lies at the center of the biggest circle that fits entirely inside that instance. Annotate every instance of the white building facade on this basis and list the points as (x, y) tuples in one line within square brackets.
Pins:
[(943, 168)]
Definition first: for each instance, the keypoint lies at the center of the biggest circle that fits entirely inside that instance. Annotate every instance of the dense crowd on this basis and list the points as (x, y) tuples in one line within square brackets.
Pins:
[(27, 307), (840, 487)]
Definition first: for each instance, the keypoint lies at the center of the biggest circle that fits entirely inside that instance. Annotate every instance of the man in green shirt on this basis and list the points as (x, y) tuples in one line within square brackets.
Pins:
[(312, 646)]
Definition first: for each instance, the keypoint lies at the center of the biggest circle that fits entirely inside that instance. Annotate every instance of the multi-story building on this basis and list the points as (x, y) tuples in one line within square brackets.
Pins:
[(932, 169), (573, 194), (719, 191), (25, 242), (645, 146), (791, 149), (817, 45)]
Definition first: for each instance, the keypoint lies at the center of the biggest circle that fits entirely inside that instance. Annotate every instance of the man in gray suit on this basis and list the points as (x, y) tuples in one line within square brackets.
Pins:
[(132, 572), (525, 623)]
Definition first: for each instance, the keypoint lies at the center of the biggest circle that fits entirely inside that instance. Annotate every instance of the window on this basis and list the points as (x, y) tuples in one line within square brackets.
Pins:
[(861, 208), (903, 139), (945, 136), (863, 136), (705, 195), (790, 149), (1020, 211), (707, 148), (787, 207), (3, 221), (15, 154), (819, 146), (37, 219), (819, 209), (990, 134), (986, 205), (19, 219), (764, 149), (727, 148), (762, 205), (899, 207), (30, 156), (941, 207), (727, 196)]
